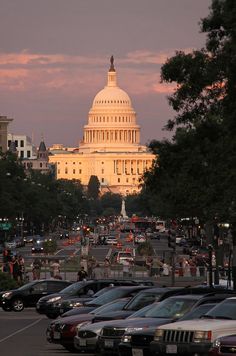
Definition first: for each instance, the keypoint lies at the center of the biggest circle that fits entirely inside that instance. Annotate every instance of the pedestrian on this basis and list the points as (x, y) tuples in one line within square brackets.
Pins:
[(166, 269), (126, 267), (55, 269), (106, 268), (36, 268), (15, 268), (82, 274), (21, 262), (97, 272)]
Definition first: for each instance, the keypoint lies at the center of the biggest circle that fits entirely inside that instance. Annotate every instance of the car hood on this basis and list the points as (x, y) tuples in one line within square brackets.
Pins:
[(47, 297), (7, 291), (201, 324), (77, 311), (119, 314), (75, 319), (67, 299), (127, 323)]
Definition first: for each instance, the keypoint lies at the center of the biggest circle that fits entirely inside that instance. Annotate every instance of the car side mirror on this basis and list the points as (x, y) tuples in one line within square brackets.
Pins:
[(31, 289)]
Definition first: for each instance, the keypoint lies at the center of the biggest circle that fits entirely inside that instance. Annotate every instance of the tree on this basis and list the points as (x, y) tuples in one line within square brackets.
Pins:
[(93, 188), (205, 106), (111, 200)]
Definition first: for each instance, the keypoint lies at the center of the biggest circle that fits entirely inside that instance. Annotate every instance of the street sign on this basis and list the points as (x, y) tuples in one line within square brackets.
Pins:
[(5, 226)]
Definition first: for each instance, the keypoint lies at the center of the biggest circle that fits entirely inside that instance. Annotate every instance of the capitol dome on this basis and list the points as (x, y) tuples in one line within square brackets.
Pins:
[(112, 120)]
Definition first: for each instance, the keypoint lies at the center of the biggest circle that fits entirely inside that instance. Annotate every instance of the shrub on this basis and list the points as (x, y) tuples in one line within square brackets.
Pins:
[(6, 282)]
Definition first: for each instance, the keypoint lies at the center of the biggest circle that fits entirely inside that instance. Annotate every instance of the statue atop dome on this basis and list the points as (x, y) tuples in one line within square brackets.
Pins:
[(112, 68)]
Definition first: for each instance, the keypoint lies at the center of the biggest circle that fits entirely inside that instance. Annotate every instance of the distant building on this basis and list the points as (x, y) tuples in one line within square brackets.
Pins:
[(4, 122), (24, 146), (40, 161), (110, 148)]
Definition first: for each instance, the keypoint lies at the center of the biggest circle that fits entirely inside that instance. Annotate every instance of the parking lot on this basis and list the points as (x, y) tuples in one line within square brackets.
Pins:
[(23, 334)]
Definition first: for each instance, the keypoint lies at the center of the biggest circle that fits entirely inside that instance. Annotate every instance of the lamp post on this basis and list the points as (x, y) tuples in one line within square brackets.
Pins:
[(20, 224)]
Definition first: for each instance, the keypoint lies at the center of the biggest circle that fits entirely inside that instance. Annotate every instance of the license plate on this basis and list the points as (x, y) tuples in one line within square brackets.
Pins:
[(108, 343), (137, 352), (171, 349), (82, 342), (56, 335)]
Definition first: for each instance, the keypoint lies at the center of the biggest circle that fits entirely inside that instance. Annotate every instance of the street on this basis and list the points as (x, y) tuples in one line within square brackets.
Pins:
[(23, 334)]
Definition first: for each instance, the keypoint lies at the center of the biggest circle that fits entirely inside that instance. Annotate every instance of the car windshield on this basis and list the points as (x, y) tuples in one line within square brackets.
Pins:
[(139, 313), (107, 297), (26, 286), (72, 289), (141, 300), (225, 309), (110, 307), (196, 313), (168, 308)]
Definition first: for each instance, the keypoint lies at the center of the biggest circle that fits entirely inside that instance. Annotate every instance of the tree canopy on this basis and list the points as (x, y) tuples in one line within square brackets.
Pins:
[(195, 172)]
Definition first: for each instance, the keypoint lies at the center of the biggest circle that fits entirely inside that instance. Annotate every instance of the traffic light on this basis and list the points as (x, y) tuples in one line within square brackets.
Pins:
[(172, 239)]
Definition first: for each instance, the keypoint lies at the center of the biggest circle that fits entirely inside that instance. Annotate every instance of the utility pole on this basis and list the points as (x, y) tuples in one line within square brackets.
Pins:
[(172, 245)]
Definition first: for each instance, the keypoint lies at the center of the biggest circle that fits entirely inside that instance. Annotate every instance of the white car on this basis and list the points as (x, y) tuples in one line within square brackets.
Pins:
[(196, 337), (139, 239)]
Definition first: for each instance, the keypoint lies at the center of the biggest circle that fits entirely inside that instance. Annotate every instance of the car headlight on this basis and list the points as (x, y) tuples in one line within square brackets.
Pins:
[(75, 304), (216, 343), (6, 295), (200, 335), (80, 326), (158, 334), (54, 299), (126, 338)]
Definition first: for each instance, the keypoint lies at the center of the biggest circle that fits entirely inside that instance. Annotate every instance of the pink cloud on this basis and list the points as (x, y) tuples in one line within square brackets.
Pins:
[(74, 75)]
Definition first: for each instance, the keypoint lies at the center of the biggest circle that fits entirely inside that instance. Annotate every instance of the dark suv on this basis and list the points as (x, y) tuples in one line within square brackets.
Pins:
[(52, 305), (30, 293)]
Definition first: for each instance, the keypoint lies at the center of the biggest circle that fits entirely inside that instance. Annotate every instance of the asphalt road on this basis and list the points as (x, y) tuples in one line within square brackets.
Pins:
[(23, 334)]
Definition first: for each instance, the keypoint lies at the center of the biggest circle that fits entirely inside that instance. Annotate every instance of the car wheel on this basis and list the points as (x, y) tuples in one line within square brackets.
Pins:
[(18, 305)]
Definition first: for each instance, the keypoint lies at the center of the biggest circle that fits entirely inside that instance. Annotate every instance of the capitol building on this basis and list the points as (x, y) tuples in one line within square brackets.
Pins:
[(110, 148)]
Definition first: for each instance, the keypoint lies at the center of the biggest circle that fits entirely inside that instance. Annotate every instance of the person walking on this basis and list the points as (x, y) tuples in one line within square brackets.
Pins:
[(82, 274), (55, 269), (106, 268), (36, 268)]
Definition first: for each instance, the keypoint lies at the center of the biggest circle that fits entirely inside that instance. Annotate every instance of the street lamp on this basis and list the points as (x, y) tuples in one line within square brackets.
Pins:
[(20, 224)]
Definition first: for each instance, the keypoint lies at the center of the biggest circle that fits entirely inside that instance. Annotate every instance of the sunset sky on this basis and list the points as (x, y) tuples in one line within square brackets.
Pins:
[(54, 58)]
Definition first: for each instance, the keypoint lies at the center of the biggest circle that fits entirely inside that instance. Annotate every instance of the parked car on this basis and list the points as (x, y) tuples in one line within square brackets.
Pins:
[(167, 311), (139, 301), (137, 342), (224, 346), (51, 305), (63, 329), (29, 294), (186, 337)]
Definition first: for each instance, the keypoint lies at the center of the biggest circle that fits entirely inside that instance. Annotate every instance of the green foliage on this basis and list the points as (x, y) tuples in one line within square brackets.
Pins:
[(111, 201), (6, 282), (93, 188), (145, 249), (194, 173), (50, 246)]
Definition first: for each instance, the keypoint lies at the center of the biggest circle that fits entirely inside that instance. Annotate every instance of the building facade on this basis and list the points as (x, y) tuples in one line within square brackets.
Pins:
[(4, 122), (110, 148), (24, 146)]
